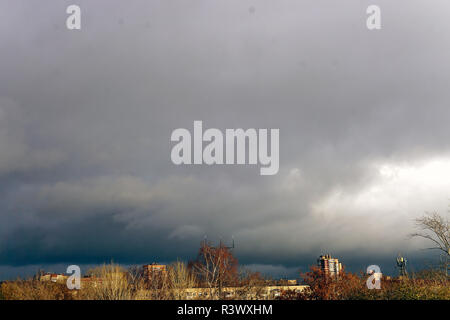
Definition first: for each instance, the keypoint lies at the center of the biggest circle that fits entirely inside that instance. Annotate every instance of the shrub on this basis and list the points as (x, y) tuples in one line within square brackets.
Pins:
[(108, 282), (349, 286), (34, 290)]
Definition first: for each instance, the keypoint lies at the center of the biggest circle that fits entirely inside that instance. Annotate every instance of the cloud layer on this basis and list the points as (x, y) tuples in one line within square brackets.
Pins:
[(86, 118)]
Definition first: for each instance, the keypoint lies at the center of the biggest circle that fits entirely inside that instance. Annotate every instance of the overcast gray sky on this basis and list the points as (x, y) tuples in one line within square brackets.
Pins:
[(86, 118)]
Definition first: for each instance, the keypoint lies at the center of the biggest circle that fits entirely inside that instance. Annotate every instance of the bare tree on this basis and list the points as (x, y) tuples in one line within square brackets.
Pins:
[(109, 282), (180, 279), (215, 268), (252, 285), (157, 285), (435, 228), (136, 280)]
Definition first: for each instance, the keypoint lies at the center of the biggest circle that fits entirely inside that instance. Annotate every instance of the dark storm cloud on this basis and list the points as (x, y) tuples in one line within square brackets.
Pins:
[(86, 118)]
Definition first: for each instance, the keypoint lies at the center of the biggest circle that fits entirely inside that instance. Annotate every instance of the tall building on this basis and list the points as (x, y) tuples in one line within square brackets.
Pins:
[(330, 266)]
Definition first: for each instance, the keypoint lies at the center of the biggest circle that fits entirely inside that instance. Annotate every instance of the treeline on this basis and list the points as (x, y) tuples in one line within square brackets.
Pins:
[(215, 274), (424, 285), (210, 276)]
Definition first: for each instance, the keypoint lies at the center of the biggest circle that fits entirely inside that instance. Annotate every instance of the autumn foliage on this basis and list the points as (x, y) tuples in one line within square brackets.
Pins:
[(215, 268), (349, 286)]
